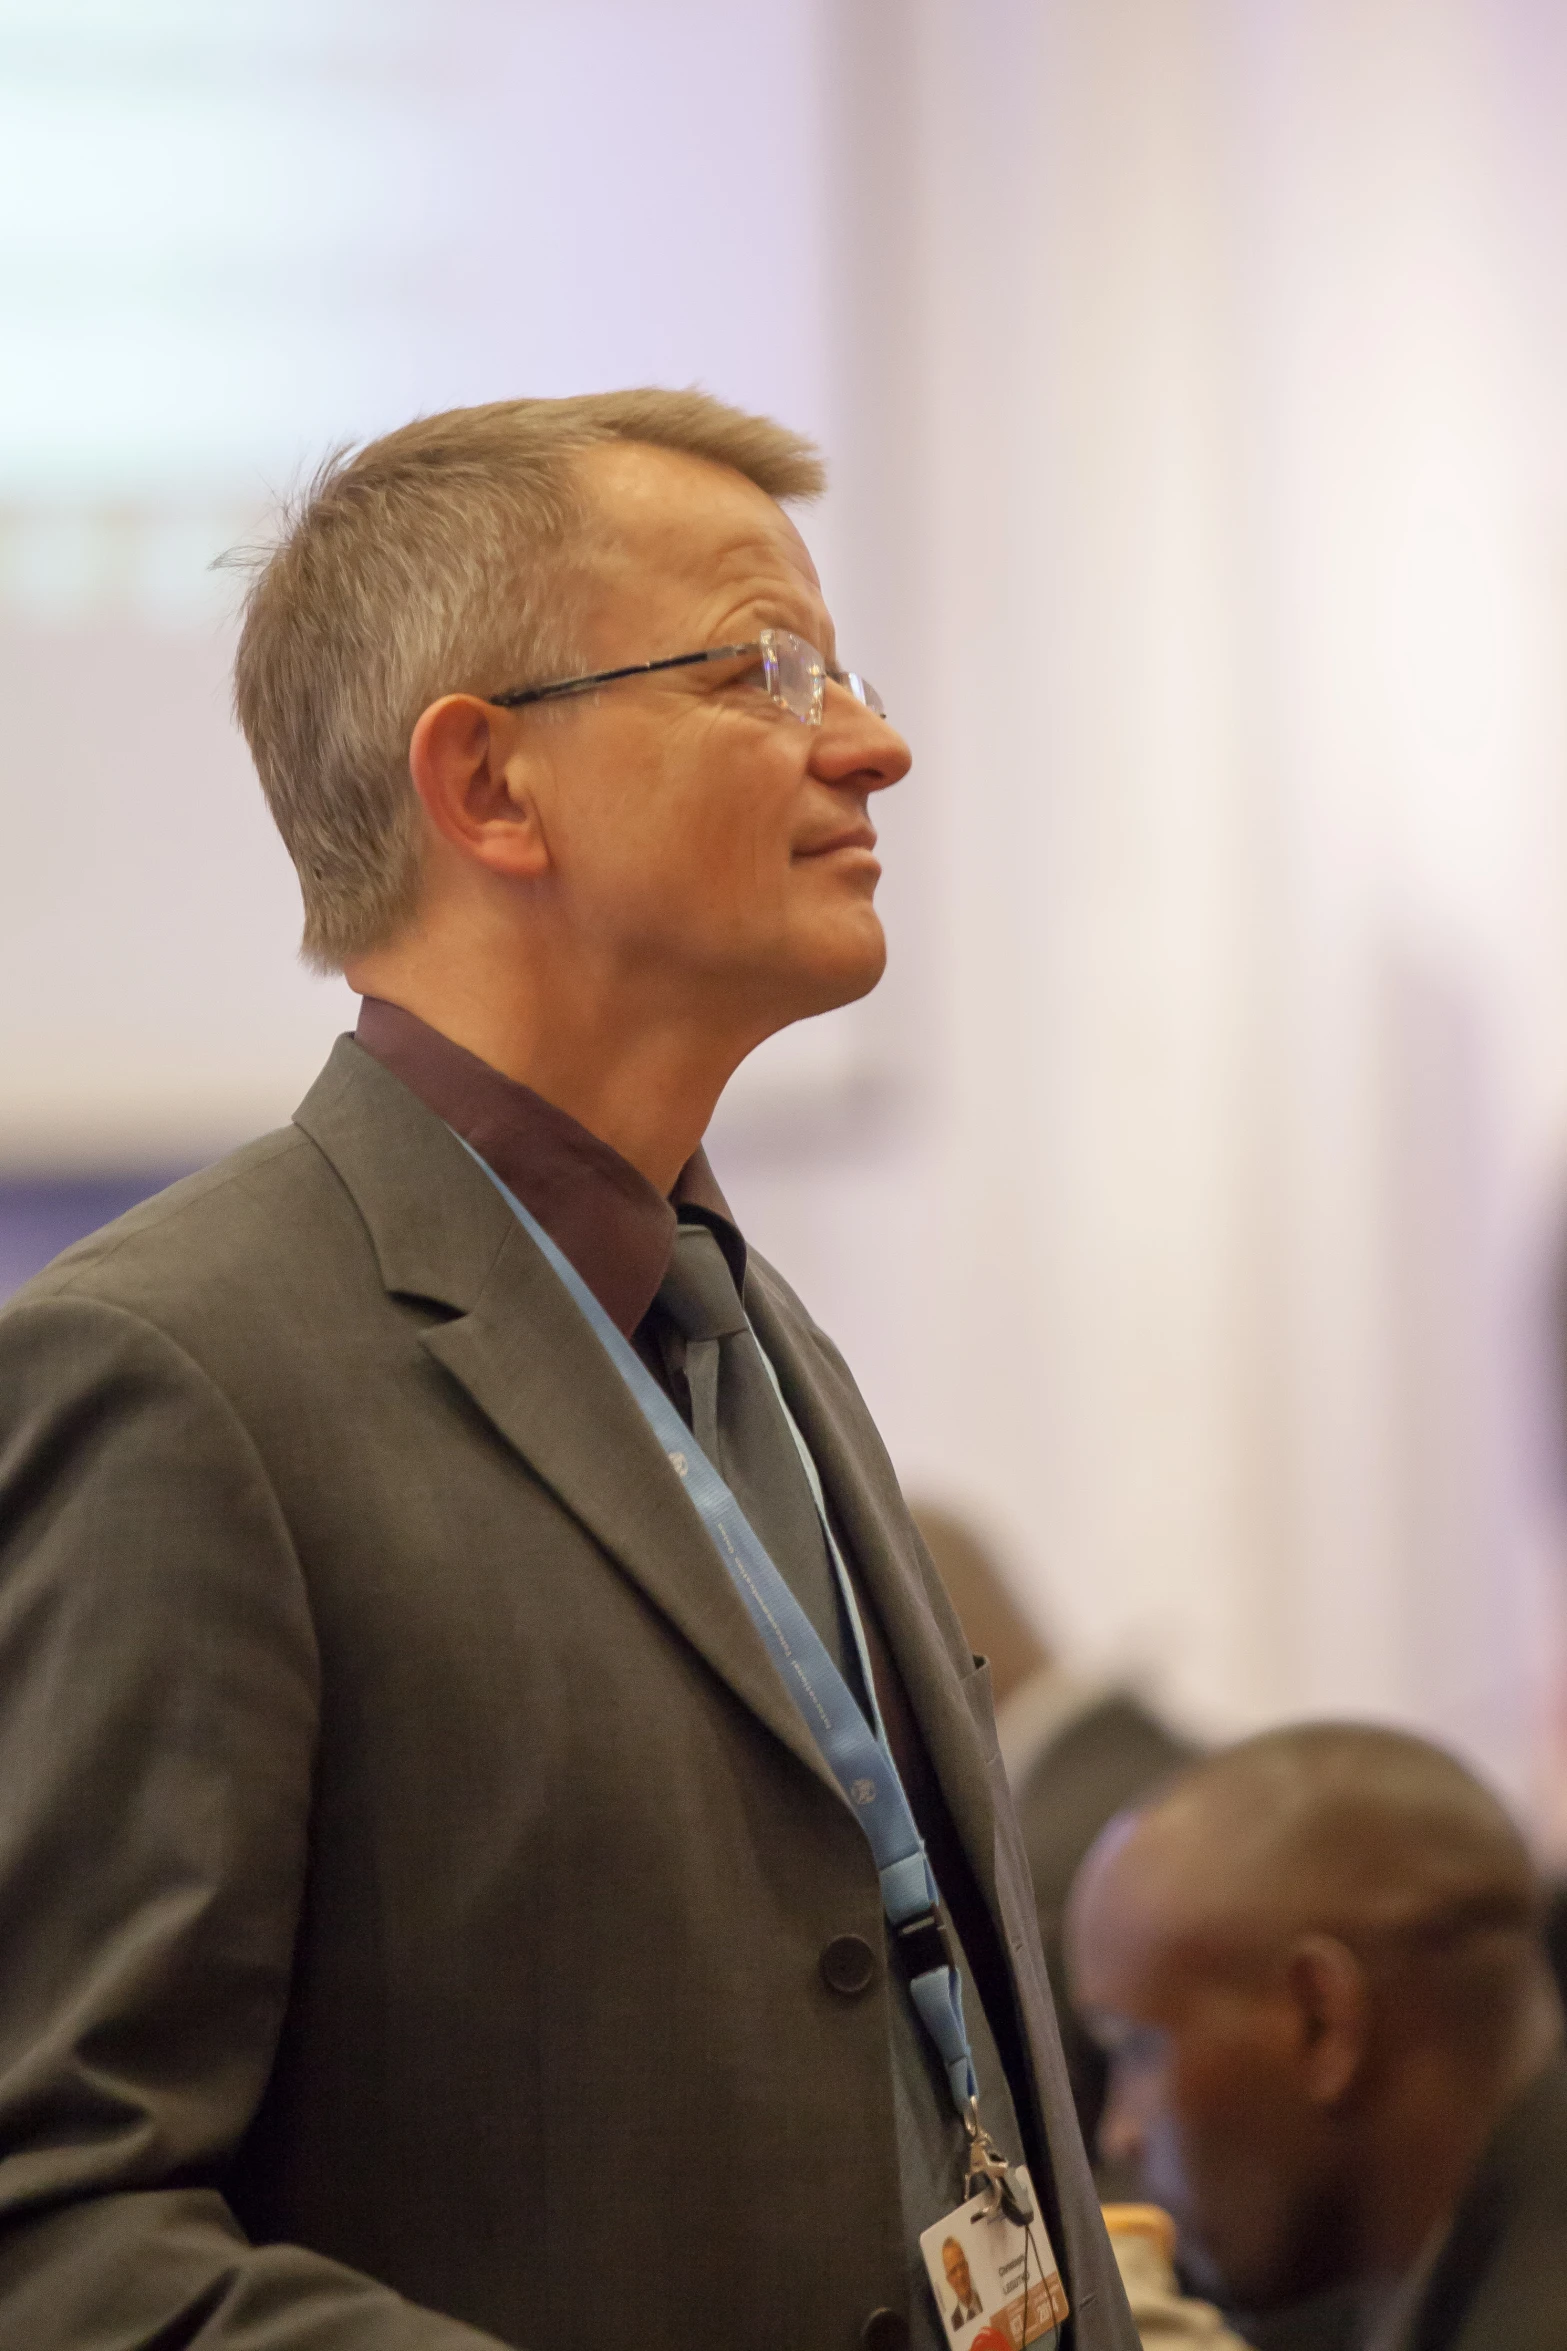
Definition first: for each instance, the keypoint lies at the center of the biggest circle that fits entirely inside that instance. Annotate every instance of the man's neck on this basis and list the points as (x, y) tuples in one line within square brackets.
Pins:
[(647, 1089)]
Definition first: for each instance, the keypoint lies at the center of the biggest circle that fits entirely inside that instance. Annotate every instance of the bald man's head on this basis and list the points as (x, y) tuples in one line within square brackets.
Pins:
[(1304, 1951)]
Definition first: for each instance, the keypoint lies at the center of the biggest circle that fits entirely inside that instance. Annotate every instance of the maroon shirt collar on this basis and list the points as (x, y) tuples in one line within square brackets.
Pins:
[(616, 1229)]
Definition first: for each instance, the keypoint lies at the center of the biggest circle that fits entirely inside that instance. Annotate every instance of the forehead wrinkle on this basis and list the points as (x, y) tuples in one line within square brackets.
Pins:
[(635, 506), (665, 521), (711, 594), (754, 576)]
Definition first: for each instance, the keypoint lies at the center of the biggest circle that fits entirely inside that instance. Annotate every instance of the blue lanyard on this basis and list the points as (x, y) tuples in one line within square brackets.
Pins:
[(857, 1757)]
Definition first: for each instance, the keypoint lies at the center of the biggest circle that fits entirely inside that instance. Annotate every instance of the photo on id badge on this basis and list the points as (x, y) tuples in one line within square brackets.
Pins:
[(996, 2285)]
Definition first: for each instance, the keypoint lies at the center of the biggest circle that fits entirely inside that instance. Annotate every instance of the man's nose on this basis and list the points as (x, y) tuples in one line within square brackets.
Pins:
[(854, 746)]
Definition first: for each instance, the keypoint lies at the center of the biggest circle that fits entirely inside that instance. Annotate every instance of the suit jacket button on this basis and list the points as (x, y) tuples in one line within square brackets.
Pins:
[(885, 2330), (849, 1967)]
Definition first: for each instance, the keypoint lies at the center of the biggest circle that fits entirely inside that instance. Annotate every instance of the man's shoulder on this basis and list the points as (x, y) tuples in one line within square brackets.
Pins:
[(254, 1205), (1501, 2278), (221, 1286), (286, 1226), (239, 1270)]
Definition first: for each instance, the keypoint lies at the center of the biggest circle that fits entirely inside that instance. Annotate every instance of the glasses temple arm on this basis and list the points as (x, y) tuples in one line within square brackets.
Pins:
[(607, 677)]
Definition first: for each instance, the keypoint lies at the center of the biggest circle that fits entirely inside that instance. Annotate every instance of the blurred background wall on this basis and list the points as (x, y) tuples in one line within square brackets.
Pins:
[(1192, 372)]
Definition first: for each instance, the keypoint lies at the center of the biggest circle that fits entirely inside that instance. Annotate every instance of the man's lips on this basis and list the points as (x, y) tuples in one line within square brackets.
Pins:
[(858, 840)]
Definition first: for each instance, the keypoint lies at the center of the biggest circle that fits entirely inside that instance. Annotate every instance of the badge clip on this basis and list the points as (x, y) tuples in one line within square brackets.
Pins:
[(988, 2174)]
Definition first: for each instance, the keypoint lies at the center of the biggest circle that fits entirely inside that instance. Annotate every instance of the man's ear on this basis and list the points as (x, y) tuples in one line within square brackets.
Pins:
[(474, 779), (1331, 2004)]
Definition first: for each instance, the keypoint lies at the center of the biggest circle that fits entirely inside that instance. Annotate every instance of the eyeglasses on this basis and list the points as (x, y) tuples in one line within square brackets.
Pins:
[(794, 675)]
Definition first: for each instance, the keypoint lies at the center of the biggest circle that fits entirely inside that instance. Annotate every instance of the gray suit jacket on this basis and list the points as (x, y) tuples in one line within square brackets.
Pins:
[(413, 1874)]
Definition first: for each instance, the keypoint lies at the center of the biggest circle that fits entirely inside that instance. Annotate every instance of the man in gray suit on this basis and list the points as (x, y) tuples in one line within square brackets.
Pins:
[(429, 1921)]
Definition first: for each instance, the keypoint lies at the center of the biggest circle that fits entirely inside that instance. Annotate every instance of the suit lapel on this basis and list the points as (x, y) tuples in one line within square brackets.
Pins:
[(862, 1494), (523, 1352)]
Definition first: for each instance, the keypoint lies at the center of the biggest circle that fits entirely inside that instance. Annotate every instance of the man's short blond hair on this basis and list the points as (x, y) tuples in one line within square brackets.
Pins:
[(440, 559)]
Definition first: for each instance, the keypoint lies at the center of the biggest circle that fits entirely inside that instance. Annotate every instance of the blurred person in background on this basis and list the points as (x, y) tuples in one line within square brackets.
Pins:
[(1076, 1751), (432, 1918), (1315, 1962)]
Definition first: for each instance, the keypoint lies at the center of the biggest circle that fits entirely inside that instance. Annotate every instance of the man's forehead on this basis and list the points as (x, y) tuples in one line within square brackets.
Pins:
[(695, 523)]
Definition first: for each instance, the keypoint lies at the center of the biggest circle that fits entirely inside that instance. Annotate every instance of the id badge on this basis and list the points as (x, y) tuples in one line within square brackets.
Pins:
[(996, 2285)]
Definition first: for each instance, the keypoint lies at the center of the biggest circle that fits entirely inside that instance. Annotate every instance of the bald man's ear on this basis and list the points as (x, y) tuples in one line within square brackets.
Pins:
[(473, 774), (1331, 2004)]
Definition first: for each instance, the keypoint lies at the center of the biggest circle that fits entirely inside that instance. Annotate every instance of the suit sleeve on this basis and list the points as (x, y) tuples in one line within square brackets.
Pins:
[(158, 1699)]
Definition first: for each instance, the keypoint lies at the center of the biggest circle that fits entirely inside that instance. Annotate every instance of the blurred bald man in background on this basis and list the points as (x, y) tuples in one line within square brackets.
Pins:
[(1316, 1965)]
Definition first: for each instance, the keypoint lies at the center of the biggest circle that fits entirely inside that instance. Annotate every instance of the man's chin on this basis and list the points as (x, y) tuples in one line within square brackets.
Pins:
[(845, 969), (783, 989)]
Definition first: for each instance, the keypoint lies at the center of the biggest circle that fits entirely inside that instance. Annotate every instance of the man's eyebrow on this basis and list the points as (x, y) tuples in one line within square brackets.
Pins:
[(775, 616)]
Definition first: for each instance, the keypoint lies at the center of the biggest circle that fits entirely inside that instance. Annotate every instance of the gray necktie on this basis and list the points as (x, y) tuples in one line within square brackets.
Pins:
[(737, 1420)]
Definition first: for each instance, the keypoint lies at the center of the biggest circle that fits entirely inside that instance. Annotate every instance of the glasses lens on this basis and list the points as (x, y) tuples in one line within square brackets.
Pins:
[(861, 689), (796, 674)]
